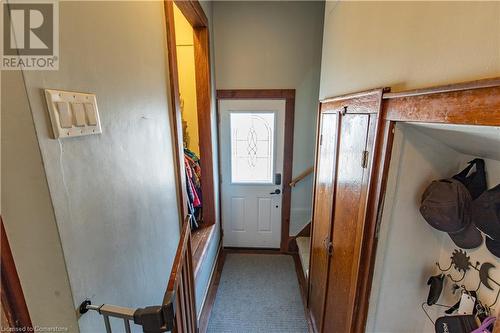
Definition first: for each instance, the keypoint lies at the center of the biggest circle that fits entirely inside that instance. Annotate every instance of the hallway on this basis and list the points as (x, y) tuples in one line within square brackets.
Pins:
[(258, 293)]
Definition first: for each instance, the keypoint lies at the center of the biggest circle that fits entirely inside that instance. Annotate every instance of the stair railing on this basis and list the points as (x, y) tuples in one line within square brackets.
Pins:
[(176, 314), (301, 176)]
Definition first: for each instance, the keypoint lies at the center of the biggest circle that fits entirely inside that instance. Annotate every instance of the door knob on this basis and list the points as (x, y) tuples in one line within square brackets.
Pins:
[(276, 191)]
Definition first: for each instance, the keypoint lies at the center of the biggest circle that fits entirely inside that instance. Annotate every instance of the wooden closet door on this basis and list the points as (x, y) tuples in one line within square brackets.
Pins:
[(322, 216), (355, 143)]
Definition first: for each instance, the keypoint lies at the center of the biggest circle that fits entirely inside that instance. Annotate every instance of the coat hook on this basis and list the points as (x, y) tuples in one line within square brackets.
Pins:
[(344, 111)]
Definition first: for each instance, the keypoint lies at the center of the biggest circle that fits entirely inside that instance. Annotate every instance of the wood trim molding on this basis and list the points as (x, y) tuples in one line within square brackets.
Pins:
[(175, 106), (193, 12), (12, 296), (204, 109), (362, 102), (256, 94), (289, 96), (195, 15), (473, 103), (353, 96), (477, 84)]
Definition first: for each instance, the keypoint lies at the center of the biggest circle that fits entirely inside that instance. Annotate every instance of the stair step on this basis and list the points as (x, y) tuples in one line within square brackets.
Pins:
[(303, 243)]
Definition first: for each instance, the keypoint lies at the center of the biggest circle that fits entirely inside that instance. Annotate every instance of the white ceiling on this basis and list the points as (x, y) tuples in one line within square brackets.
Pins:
[(480, 141)]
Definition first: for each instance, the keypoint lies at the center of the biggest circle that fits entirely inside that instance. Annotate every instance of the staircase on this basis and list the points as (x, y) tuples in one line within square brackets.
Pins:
[(303, 244)]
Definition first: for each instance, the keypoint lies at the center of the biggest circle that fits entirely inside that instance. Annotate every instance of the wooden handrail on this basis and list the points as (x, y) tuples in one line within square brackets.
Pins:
[(301, 176), (180, 289)]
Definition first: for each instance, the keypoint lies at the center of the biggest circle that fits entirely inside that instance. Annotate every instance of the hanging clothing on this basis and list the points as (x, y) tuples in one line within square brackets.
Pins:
[(193, 186)]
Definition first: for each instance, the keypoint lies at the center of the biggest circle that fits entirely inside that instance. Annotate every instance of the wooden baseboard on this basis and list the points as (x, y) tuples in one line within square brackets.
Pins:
[(212, 291), (303, 285)]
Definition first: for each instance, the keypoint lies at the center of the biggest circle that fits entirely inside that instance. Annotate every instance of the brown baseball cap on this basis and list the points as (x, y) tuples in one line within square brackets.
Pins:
[(446, 206)]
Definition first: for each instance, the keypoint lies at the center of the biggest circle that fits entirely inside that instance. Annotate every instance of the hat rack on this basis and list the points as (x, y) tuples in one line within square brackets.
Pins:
[(461, 262)]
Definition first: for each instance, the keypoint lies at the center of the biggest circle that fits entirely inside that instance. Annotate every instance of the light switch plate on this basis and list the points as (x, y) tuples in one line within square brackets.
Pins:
[(82, 109)]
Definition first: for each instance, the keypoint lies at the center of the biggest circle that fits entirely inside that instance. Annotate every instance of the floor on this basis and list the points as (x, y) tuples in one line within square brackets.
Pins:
[(258, 293)]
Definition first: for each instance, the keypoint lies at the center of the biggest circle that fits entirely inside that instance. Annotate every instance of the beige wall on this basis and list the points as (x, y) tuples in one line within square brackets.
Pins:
[(187, 78), (275, 45), (408, 45), (28, 214), (105, 203)]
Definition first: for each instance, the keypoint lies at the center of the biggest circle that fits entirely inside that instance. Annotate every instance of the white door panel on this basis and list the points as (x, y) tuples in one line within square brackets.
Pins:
[(251, 146)]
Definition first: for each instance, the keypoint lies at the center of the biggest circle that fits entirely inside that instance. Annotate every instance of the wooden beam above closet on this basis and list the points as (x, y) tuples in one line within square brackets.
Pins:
[(472, 103)]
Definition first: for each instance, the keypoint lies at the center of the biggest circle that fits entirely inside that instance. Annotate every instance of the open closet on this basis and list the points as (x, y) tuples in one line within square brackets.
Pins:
[(408, 246), (372, 251)]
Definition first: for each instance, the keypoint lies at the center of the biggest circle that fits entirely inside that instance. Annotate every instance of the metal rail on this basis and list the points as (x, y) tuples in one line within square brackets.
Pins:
[(153, 319)]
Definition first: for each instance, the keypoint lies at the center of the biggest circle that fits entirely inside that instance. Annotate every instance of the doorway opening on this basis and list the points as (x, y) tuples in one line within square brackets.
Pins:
[(189, 74), (256, 153)]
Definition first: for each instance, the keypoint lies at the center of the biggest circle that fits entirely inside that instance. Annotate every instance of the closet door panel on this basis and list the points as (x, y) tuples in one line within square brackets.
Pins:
[(322, 216), (348, 221)]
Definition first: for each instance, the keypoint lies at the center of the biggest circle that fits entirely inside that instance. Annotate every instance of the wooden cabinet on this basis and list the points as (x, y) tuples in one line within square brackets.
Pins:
[(353, 154), (348, 128), (320, 239)]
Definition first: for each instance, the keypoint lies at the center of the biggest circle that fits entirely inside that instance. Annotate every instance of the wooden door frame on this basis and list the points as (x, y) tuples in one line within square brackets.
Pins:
[(365, 102), (195, 15), (289, 96), (12, 296), (470, 103)]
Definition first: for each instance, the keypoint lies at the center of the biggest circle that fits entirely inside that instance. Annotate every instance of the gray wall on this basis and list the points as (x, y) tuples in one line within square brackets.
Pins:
[(28, 215), (408, 45), (270, 45), (113, 195)]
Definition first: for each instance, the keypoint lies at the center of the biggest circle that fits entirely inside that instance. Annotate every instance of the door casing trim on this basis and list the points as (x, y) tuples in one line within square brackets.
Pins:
[(195, 15), (289, 96)]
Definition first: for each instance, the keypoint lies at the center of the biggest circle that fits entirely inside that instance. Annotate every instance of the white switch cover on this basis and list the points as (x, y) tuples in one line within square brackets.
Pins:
[(72, 113), (79, 114), (64, 115), (90, 111)]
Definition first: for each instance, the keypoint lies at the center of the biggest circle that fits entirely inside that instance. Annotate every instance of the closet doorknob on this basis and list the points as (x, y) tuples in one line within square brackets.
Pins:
[(328, 246)]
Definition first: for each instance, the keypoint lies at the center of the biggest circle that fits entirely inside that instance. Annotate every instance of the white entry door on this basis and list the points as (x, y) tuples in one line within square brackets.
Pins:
[(251, 149)]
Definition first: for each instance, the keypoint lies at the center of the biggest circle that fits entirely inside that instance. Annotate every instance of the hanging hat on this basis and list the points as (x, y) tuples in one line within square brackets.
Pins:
[(446, 207), (493, 246), (486, 216), (476, 181)]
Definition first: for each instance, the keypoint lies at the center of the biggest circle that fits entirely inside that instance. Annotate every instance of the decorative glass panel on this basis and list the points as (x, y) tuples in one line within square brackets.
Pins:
[(252, 147)]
